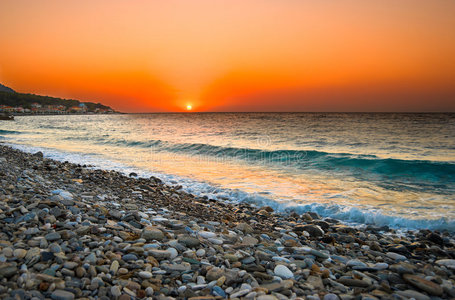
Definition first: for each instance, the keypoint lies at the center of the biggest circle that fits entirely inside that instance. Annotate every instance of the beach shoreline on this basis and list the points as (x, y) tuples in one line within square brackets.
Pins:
[(69, 231)]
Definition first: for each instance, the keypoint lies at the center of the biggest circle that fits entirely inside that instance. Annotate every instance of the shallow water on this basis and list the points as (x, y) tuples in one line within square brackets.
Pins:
[(384, 169)]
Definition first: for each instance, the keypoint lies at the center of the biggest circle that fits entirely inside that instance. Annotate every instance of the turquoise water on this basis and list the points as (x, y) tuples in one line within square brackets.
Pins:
[(384, 169)]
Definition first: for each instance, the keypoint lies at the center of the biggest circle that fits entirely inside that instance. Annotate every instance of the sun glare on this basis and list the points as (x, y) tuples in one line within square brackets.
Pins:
[(189, 107)]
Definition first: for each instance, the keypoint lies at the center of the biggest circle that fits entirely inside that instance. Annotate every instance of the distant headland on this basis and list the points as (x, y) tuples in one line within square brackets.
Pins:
[(16, 103)]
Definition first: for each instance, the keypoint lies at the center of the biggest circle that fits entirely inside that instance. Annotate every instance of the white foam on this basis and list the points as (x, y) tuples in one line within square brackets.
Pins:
[(350, 215)]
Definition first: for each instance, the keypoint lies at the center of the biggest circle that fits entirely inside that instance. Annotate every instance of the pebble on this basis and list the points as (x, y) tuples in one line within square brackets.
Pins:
[(330, 297), (116, 291), (8, 252), (353, 282), (55, 248), (152, 234), (173, 253), (448, 263), (283, 272), (200, 252), (129, 257), (217, 291), (396, 256), (145, 275), (149, 291), (114, 267), (413, 294), (122, 271), (189, 241), (91, 258), (70, 265), (206, 234), (380, 266), (159, 254), (53, 236), (355, 263), (313, 230), (215, 241), (62, 295), (239, 293), (20, 253), (423, 284)]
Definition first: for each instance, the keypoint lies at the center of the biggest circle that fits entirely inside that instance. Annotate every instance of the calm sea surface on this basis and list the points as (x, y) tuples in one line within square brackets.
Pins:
[(383, 169)]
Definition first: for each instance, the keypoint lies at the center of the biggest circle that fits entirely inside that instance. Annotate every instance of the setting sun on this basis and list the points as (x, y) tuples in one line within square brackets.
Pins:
[(189, 107)]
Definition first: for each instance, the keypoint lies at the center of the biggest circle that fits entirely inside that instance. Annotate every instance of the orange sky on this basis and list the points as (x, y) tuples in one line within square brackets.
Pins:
[(248, 55)]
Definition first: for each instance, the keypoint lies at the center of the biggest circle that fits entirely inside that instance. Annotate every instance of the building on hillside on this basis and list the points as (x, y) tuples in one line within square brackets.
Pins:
[(83, 107), (76, 109), (6, 108), (36, 105), (103, 110), (55, 109)]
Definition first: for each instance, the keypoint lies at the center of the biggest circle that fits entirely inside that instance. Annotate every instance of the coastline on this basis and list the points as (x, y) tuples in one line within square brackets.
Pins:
[(69, 232), (66, 114)]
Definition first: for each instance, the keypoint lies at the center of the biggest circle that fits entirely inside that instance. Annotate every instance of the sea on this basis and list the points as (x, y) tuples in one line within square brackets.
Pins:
[(383, 169)]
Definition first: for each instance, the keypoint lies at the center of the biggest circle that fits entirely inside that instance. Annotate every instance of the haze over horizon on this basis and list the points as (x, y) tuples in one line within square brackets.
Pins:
[(252, 55)]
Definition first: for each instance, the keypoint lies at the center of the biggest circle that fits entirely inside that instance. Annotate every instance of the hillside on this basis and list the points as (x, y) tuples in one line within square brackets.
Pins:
[(9, 97), (6, 89)]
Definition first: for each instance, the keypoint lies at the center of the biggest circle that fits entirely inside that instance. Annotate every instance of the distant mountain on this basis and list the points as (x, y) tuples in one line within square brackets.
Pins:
[(6, 89), (9, 97)]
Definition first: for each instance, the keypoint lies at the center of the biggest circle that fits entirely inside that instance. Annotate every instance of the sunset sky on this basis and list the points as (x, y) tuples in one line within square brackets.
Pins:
[(248, 55)]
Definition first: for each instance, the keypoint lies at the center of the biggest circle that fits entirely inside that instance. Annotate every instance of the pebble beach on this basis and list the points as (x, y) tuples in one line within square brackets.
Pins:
[(75, 232)]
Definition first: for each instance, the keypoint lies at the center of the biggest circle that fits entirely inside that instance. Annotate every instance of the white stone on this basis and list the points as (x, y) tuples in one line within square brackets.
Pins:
[(198, 287), (145, 274), (206, 234), (149, 291), (283, 272), (66, 195), (215, 241), (115, 291), (173, 252), (448, 263), (200, 280)]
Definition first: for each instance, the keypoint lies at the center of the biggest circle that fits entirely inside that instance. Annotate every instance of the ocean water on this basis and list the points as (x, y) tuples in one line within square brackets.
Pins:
[(384, 169)]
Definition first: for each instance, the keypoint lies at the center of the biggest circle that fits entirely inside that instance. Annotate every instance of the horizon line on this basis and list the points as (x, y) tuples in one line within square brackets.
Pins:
[(297, 112)]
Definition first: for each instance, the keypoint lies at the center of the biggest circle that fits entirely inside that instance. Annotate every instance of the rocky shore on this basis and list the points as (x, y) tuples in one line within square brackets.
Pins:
[(72, 232)]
